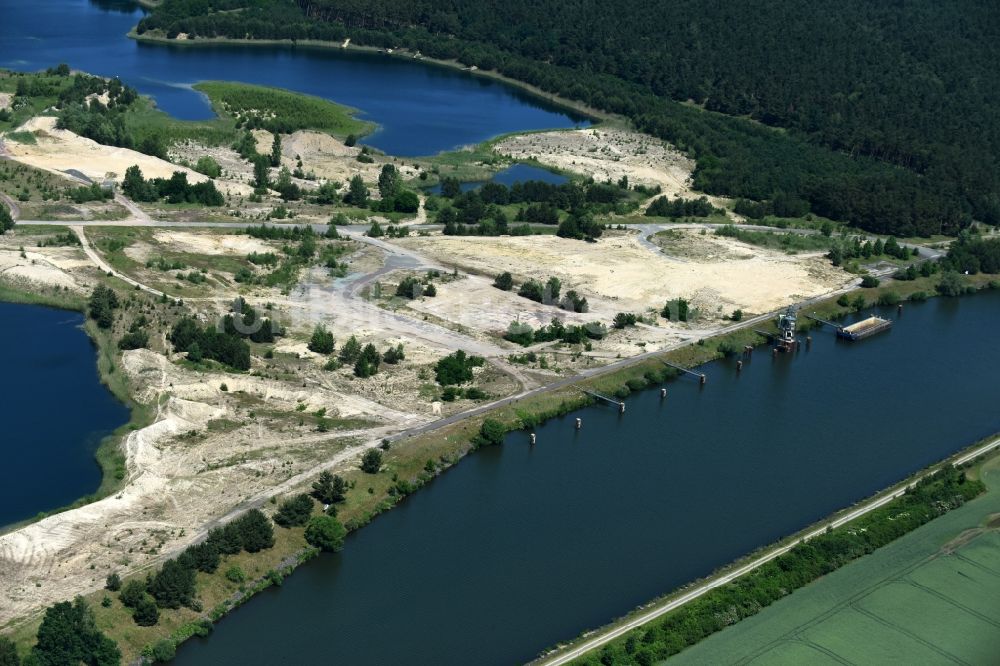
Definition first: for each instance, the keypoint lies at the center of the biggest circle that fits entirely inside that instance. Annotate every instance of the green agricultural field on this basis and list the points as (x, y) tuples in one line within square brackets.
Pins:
[(927, 598)]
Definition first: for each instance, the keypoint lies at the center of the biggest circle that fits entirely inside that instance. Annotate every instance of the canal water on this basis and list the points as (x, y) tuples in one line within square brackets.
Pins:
[(421, 109), (53, 408), (520, 547)]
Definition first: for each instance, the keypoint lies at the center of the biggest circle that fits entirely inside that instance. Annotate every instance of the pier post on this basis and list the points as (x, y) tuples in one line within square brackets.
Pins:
[(663, 393), (703, 380), (739, 366), (532, 438), (774, 352), (579, 423), (621, 407)]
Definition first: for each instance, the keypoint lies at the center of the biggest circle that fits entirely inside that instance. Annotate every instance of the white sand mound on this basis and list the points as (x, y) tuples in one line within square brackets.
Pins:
[(59, 150), (34, 268)]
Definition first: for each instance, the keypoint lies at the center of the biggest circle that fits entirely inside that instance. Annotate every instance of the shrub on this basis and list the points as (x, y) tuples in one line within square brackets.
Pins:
[(164, 650), (394, 355), (889, 298), (409, 287), (504, 281), (295, 511), (113, 582), (623, 319), (132, 593), (456, 368), (322, 341), (491, 432), (371, 462), (134, 340), (325, 533), (145, 613), (235, 575)]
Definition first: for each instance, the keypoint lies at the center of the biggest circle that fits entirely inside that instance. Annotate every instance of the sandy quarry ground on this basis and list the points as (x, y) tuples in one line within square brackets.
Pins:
[(209, 451), (60, 150), (606, 154), (40, 267), (620, 274), (323, 155), (475, 305), (5, 100), (202, 457), (329, 158)]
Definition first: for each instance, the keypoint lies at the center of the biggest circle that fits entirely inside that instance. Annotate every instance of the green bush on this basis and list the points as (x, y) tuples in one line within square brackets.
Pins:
[(235, 575), (371, 461), (492, 432), (325, 533), (164, 650), (294, 512)]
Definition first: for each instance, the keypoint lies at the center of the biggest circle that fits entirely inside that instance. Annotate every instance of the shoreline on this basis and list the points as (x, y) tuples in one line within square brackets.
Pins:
[(589, 113), (518, 414), (108, 454)]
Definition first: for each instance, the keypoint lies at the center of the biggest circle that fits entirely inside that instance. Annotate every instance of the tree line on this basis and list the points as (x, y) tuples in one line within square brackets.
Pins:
[(973, 254), (174, 190), (480, 211)]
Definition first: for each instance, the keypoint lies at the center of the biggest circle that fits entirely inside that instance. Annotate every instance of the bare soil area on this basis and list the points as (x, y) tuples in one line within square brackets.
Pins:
[(606, 154), (618, 273), (59, 150)]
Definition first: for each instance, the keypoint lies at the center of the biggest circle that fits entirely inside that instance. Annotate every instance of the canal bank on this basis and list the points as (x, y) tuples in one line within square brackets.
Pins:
[(528, 516)]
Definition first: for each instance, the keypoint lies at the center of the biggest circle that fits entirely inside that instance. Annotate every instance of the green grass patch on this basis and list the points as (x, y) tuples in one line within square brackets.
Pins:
[(22, 137), (280, 110), (789, 242)]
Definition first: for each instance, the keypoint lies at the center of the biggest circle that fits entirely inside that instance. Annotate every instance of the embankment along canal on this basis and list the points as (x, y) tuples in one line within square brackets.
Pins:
[(519, 547)]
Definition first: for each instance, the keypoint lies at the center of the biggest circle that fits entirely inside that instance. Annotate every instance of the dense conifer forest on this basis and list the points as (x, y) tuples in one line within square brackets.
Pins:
[(882, 114)]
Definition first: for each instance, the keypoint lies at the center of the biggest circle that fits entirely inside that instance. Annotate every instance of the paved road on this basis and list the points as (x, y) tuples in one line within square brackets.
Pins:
[(558, 658)]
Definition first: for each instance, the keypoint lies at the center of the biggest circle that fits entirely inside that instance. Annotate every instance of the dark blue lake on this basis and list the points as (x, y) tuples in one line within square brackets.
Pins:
[(520, 547), (516, 173), (421, 109), (54, 410)]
